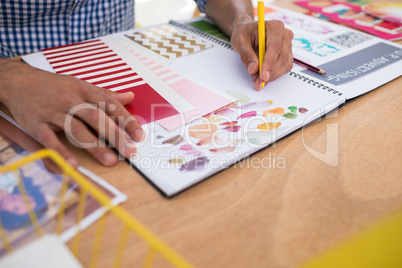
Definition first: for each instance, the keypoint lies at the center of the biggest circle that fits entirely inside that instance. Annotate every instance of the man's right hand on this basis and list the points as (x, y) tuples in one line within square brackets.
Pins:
[(42, 103)]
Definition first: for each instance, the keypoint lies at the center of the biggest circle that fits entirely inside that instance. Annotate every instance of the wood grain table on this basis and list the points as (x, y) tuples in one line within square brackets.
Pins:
[(283, 215)]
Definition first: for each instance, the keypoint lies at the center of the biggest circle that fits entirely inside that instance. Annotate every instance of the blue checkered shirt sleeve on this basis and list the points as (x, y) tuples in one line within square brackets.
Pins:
[(30, 25), (201, 4)]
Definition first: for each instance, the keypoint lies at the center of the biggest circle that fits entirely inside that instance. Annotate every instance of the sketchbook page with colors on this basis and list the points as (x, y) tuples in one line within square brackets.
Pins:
[(176, 160), (249, 121), (355, 62)]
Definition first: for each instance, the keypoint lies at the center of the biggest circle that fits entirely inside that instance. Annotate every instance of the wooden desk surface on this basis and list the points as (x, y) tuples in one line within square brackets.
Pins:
[(271, 217)]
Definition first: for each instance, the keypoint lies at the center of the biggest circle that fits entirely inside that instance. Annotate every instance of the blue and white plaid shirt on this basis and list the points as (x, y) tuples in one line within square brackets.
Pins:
[(30, 25)]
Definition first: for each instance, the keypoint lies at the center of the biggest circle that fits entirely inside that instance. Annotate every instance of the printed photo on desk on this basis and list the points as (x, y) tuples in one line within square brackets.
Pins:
[(43, 189)]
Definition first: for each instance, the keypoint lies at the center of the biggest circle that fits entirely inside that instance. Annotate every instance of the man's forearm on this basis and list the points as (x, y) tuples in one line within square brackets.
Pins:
[(225, 13), (8, 70)]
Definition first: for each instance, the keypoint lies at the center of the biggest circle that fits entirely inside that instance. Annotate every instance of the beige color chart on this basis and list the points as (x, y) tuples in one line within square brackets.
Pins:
[(169, 42)]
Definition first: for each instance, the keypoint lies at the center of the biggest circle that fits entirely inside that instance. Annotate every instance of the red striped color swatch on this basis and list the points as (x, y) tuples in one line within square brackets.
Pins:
[(94, 62)]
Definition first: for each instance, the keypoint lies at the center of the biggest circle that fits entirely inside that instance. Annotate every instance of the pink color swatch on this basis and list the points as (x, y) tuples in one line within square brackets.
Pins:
[(202, 99)]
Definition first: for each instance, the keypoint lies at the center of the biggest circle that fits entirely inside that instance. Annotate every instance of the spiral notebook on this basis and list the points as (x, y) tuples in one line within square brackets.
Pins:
[(211, 140)]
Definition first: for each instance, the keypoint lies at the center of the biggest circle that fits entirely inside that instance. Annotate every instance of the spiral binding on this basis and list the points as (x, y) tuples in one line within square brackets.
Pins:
[(315, 83), (201, 34)]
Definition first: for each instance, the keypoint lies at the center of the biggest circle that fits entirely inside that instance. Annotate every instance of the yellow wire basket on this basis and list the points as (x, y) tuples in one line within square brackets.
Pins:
[(123, 226)]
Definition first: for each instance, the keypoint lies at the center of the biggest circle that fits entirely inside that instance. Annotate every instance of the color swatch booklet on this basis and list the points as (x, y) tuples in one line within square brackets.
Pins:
[(197, 102), (380, 19)]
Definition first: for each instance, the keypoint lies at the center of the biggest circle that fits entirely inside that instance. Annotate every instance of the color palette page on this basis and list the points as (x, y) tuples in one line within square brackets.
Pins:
[(175, 160), (208, 27), (353, 15), (204, 98), (115, 65), (97, 63), (168, 41)]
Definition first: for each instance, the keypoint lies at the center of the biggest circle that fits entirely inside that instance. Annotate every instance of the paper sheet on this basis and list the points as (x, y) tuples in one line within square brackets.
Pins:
[(168, 41), (47, 251), (204, 98)]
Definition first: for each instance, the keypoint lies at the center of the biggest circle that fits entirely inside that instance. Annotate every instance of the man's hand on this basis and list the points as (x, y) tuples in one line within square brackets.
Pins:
[(278, 57), (43, 103), (236, 19)]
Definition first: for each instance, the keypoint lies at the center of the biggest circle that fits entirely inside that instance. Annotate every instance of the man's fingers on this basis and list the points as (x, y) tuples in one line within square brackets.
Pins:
[(114, 108), (278, 48), (79, 134), (107, 128), (48, 139), (257, 84), (243, 47), (124, 98), (284, 62), (274, 30), (125, 120), (287, 61), (254, 77), (249, 59)]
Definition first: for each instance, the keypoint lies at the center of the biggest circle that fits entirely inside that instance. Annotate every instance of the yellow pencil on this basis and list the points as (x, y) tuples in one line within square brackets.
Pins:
[(261, 35)]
